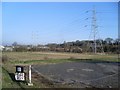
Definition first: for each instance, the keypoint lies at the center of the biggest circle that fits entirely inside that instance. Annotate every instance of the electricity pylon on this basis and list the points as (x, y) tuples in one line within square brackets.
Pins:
[(94, 33)]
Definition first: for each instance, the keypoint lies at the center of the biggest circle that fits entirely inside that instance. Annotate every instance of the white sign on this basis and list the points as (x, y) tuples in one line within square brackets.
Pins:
[(20, 76)]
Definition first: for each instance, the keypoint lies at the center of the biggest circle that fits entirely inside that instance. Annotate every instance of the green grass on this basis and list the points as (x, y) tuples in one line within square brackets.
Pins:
[(7, 82)]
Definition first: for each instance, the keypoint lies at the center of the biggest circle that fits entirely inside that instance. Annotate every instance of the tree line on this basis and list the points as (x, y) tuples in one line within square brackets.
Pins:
[(108, 45)]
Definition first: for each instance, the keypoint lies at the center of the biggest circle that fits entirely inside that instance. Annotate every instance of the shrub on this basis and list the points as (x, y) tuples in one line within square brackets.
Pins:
[(72, 57), (46, 58), (4, 58)]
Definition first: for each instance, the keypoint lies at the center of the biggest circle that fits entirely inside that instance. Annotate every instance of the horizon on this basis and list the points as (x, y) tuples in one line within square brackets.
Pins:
[(43, 23), (54, 43)]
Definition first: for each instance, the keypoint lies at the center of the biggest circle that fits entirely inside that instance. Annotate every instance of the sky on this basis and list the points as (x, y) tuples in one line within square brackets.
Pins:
[(60, 0), (56, 22)]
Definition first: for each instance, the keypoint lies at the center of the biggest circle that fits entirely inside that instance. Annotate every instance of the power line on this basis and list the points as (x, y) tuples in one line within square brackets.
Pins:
[(94, 28)]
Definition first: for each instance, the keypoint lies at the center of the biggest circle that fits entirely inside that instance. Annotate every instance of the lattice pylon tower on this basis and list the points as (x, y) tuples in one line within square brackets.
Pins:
[(94, 35)]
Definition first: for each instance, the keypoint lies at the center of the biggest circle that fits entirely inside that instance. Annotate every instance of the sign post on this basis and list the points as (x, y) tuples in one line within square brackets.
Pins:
[(30, 82)]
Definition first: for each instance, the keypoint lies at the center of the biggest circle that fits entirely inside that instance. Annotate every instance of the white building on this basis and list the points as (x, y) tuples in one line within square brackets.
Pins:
[(8, 48), (1, 48)]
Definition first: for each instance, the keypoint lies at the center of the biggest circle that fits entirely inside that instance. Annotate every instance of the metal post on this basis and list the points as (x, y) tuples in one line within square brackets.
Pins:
[(30, 82)]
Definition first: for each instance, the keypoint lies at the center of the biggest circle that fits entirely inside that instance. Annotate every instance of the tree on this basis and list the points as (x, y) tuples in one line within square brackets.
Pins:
[(109, 40), (117, 41), (99, 41), (14, 44)]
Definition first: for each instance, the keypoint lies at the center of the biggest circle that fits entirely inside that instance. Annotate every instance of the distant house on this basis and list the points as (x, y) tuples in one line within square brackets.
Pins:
[(1, 48), (43, 47), (29, 48), (8, 48)]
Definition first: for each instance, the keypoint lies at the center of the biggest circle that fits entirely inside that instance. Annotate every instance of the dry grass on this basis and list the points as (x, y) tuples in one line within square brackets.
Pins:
[(24, 56)]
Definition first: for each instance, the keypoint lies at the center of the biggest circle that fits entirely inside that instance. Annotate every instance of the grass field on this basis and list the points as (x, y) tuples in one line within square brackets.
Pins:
[(27, 58)]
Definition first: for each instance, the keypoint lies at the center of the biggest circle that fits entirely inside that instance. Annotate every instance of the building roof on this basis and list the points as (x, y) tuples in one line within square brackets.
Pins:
[(2, 46)]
